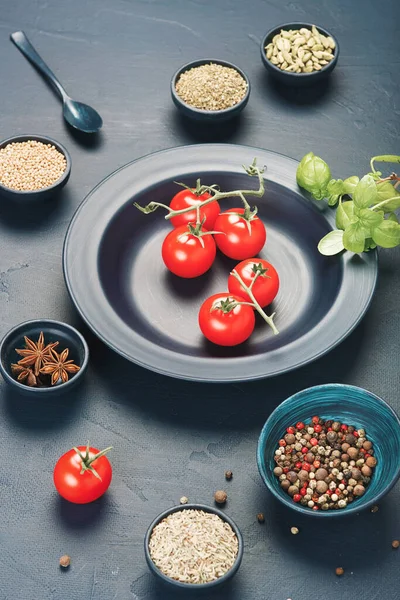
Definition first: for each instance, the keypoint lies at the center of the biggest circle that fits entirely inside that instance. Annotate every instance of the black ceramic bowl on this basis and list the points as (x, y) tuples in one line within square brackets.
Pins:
[(44, 193), (297, 79), (53, 331), (193, 587), (211, 116)]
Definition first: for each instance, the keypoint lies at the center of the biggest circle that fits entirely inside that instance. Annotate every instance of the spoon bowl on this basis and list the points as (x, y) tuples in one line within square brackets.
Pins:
[(81, 116)]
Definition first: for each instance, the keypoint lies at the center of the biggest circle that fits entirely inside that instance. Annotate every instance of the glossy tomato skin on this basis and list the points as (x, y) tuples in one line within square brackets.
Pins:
[(77, 488), (184, 255), (187, 198), (264, 289), (237, 242), (226, 329)]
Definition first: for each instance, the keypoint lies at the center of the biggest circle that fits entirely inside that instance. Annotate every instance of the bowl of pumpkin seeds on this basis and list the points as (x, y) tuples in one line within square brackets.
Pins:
[(299, 53)]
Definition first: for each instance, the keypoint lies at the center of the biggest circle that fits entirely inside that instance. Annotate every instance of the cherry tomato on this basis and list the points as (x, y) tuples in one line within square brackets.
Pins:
[(237, 242), (185, 256), (187, 198), (222, 327), (266, 286), (85, 487)]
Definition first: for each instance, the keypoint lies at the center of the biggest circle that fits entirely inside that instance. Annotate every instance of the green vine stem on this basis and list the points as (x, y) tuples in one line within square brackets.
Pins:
[(216, 195), (380, 204), (197, 231), (254, 303), (199, 190), (87, 462)]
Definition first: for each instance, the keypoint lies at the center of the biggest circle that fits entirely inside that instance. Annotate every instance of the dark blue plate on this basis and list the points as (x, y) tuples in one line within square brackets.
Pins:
[(118, 282)]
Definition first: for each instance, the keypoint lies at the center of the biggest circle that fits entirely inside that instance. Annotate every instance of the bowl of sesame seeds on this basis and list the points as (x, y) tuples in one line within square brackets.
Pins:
[(32, 167), (210, 90), (193, 547)]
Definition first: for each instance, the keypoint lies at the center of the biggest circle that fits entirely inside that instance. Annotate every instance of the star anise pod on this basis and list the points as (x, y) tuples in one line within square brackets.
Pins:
[(24, 374), (58, 366), (35, 353)]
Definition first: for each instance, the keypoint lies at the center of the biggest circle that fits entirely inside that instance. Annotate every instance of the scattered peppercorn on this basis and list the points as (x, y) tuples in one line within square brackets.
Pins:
[(324, 465), (228, 475), (260, 518), (65, 561), (339, 571), (220, 497), (184, 500), (375, 509), (294, 530), (395, 544)]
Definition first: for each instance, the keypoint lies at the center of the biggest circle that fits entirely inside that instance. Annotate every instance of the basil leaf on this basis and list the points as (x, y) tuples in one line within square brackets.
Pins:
[(313, 174), (349, 184), (387, 234), (365, 192), (331, 243), (344, 214), (369, 244), (391, 158), (386, 191), (393, 217), (334, 191), (354, 237), (368, 220)]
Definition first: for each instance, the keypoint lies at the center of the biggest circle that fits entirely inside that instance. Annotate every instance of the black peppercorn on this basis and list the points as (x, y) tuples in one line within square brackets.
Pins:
[(260, 518), (228, 475)]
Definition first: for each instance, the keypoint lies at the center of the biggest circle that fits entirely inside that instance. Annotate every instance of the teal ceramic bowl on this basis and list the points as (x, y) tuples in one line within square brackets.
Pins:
[(351, 405)]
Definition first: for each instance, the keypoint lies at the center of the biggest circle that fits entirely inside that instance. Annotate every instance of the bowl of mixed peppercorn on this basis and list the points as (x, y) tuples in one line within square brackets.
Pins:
[(43, 357), (330, 450)]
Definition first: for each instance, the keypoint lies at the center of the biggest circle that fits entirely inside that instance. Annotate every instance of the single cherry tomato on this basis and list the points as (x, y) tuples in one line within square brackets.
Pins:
[(186, 254), (265, 287), (240, 238), (187, 198), (82, 474), (224, 325)]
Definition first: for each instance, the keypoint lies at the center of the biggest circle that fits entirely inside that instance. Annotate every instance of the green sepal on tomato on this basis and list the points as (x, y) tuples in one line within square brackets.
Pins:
[(225, 321), (244, 233), (192, 197), (266, 286), (188, 251), (83, 474)]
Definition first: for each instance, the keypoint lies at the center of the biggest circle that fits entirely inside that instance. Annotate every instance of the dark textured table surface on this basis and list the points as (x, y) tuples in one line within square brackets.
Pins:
[(173, 438)]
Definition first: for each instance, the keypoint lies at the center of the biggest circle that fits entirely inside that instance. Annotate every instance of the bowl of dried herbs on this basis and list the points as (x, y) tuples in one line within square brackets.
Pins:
[(210, 90), (43, 357), (193, 547)]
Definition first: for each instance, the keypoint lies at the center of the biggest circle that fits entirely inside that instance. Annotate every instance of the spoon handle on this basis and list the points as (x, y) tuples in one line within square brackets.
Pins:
[(23, 44)]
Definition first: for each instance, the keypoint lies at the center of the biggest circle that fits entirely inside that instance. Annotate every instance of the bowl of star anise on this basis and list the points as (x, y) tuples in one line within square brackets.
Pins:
[(43, 356)]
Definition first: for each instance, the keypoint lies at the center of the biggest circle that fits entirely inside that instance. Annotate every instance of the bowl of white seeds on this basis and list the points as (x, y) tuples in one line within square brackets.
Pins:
[(193, 547), (299, 53), (32, 167)]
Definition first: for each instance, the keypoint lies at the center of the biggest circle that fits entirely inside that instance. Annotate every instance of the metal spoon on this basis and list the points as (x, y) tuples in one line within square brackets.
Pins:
[(78, 115)]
